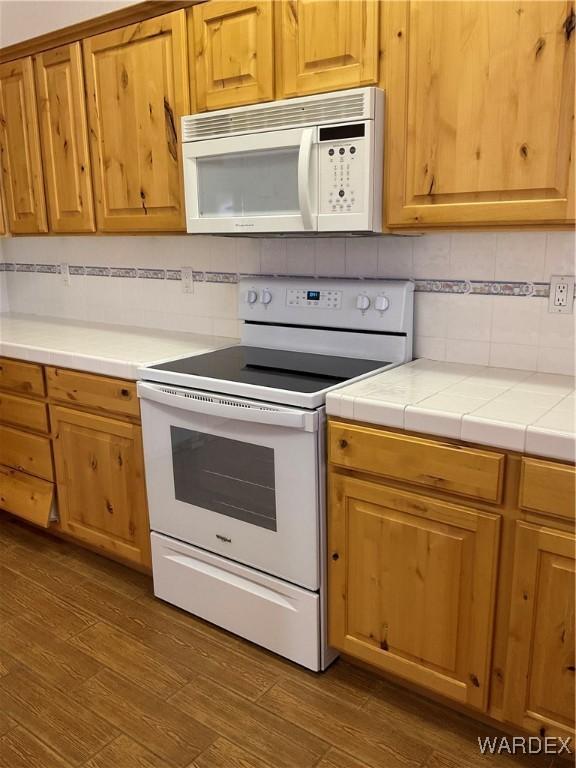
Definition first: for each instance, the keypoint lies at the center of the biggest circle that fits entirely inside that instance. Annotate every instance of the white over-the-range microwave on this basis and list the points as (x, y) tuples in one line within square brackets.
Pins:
[(312, 164)]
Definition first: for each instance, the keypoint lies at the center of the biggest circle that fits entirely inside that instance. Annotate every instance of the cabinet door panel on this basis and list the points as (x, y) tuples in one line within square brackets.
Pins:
[(326, 45), (411, 586), (100, 477), (480, 112), (539, 684), (20, 149), (137, 83), (64, 133), (233, 53)]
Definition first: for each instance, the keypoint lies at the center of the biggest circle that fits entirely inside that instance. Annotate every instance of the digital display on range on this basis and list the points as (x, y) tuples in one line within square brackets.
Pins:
[(313, 295)]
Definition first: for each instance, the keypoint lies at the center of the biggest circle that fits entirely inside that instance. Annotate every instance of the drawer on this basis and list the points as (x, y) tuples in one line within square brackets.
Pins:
[(98, 393), (452, 468), (548, 487), (27, 497), (26, 452), (23, 378), (21, 412)]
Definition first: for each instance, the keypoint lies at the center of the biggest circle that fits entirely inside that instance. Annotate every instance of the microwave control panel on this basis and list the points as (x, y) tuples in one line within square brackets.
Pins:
[(342, 171)]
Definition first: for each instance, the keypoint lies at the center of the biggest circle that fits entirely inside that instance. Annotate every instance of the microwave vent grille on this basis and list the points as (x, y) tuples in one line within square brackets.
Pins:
[(332, 108)]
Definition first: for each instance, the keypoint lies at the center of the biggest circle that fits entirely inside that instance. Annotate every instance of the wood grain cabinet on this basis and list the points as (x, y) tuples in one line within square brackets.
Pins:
[(100, 477), (20, 156), (480, 110), (231, 53), (539, 688), (412, 586), (64, 135), (326, 45), (137, 82)]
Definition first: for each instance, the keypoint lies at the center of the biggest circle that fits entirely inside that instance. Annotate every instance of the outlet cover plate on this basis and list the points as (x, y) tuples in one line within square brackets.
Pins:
[(561, 294)]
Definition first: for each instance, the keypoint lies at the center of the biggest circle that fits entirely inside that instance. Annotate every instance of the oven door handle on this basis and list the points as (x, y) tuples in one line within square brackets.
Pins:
[(227, 407)]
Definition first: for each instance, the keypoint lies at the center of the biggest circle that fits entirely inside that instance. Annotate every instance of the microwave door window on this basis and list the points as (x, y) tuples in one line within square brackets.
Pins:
[(249, 183), (230, 477)]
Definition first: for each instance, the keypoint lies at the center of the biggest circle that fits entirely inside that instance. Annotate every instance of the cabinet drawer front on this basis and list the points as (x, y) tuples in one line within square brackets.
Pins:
[(24, 378), (98, 393), (27, 497), (548, 487), (25, 452), (21, 412), (451, 468)]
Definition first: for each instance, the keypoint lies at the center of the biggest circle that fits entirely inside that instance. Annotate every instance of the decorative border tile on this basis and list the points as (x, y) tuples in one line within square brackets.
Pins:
[(98, 271), (123, 272), (152, 274), (221, 277), (462, 287)]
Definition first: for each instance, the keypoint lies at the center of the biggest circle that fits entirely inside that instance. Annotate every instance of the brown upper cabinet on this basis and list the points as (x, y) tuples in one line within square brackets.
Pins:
[(231, 53), (64, 134), (2, 221), (326, 45), (137, 82), (480, 106), (20, 156)]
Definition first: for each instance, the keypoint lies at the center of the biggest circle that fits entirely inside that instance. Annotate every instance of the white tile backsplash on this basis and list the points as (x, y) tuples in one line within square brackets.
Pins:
[(511, 331)]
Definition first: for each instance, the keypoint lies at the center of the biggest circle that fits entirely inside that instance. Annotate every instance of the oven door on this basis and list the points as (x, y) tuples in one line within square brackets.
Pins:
[(236, 477), (264, 182)]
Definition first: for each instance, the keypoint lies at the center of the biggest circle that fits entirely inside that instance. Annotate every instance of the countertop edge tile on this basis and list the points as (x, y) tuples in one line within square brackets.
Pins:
[(551, 443)]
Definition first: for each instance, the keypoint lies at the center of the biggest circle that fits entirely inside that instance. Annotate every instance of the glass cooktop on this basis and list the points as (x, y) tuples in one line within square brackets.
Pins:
[(274, 368)]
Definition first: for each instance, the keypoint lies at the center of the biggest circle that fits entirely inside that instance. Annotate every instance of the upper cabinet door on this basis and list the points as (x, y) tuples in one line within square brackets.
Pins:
[(480, 105), (64, 134), (326, 45), (20, 149), (231, 53), (137, 81)]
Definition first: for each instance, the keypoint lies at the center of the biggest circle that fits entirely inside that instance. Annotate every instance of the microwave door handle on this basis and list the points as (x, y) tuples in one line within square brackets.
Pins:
[(225, 407), (304, 177)]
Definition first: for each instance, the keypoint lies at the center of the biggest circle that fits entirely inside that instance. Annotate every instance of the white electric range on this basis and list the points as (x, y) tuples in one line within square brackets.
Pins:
[(235, 455)]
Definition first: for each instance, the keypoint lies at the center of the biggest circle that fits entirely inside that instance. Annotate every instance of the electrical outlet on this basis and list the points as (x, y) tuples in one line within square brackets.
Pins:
[(187, 280), (65, 274), (561, 294)]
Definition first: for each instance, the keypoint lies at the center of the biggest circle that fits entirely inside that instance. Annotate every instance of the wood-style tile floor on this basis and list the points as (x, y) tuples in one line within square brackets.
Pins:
[(95, 672)]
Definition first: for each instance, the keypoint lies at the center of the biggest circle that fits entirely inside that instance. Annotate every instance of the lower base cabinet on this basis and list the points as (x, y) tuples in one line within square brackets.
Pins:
[(100, 481), (412, 586), (539, 689), (464, 593)]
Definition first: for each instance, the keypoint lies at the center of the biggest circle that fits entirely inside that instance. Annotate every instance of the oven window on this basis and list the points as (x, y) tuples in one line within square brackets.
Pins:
[(226, 476), (249, 183)]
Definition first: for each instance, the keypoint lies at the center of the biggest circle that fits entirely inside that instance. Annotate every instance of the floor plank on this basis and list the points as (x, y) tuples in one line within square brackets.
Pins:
[(165, 730), (128, 657), (20, 749), (334, 758), (250, 726), (20, 598), (225, 754), (344, 726), (45, 655), (125, 753), (75, 733)]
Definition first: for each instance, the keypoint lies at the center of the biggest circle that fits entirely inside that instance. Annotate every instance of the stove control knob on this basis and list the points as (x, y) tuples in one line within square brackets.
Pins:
[(265, 297), (382, 303), (251, 297), (362, 302)]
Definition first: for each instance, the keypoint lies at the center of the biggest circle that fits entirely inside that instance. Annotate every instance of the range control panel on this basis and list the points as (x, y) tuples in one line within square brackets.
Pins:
[(322, 299), (380, 305), (342, 172)]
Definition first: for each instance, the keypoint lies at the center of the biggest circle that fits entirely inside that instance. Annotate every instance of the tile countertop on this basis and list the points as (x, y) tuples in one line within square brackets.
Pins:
[(517, 410), (112, 350)]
